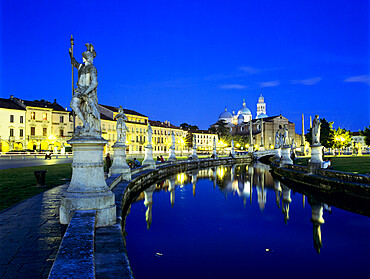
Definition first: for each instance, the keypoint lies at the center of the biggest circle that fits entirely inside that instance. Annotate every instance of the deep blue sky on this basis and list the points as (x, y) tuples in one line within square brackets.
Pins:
[(184, 61)]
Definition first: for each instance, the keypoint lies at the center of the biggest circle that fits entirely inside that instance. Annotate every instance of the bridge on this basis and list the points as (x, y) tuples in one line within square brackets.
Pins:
[(265, 153)]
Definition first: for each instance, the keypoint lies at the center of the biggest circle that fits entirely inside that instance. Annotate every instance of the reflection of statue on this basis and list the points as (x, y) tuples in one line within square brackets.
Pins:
[(316, 130), (150, 134), (84, 101), (121, 125)]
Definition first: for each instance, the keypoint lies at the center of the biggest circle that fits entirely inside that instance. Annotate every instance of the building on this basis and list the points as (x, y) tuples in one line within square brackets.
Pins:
[(264, 128), (33, 125), (204, 139)]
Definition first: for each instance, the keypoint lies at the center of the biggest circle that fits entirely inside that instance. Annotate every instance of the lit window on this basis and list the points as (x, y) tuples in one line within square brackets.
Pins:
[(44, 132), (44, 116), (33, 115)]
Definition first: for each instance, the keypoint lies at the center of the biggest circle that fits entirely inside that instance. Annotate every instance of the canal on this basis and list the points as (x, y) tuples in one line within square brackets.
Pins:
[(237, 222)]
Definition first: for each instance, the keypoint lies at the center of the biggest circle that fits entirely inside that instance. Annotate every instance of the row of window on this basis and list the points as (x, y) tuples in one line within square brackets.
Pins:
[(12, 119), (33, 132), (160, 132)]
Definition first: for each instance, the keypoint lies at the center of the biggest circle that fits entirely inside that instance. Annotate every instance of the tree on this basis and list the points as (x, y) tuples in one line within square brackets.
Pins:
[(366, 134), (187, 127), (221, 128), (326, 133), (341, 138)]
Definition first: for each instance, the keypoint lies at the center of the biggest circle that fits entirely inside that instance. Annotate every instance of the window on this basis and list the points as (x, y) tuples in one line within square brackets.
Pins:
[(32, 131), (61, 119), (141, 130), (33, 115), (44, 132), (21, 119), (44, 116), (61, 132), (11, 118), (103, 126), (11, 133), (21, 133)]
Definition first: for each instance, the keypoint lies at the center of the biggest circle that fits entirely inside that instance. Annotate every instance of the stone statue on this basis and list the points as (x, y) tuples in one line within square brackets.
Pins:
[(285, 136), (173, 140), (85, 101), (316, 131), (121, 125), (277, 140), (150, 134), (194, 143)]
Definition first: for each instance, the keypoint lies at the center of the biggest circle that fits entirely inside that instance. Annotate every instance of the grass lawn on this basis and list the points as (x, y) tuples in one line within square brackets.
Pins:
[(355, 164), (19, 184)]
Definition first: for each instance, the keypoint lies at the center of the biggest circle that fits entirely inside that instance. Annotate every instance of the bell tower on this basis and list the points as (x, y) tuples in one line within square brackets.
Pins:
[(261, 106)]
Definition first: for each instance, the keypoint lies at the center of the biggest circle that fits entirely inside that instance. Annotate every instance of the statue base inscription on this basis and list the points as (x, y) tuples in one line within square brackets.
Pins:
[(148, 158), (88, 189), (119, 165), (172, 156)]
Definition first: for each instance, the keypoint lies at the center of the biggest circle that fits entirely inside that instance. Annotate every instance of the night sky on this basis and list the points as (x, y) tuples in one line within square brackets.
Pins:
[(184, 61)]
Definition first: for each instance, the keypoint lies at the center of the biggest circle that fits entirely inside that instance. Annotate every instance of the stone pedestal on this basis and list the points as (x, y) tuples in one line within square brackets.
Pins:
[(262, 148), (214, 154), (277, 154), (250, 149), (316, 157), (285, 156), (172, 156), (148, 158), (88, 190), (119, 161)]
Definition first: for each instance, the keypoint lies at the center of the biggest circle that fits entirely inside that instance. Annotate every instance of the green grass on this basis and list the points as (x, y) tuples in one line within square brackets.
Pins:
[(19, 184), (355, 164)]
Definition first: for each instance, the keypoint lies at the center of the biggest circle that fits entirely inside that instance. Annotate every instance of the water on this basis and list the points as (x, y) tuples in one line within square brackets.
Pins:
[(222, 227)]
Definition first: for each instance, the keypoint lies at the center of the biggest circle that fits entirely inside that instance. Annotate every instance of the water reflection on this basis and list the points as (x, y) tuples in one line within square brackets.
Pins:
[(240, 181)]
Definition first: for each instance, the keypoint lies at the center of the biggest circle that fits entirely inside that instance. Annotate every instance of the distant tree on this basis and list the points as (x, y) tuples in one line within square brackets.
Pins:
[(187, 127), (221, 128), (366, 134), (341, 138), (326, 134), (189, 140)]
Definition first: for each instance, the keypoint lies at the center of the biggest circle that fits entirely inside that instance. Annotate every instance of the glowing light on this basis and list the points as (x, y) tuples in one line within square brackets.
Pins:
[(237, 145), (220, 172), (271, 146), (181, 178), (51, 137)]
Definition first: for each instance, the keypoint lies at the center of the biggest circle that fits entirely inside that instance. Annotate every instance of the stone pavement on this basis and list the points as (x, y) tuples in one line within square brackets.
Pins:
[(30, 235)]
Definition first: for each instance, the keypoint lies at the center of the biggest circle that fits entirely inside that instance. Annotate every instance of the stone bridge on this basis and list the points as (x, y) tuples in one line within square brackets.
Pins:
[(266, 153)]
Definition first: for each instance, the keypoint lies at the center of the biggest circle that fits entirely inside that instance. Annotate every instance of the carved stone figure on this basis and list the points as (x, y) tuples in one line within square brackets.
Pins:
[(121, 125), (150, 134), (316, 131), (285, 136), (173, 140), (85, 101), (277, 140)]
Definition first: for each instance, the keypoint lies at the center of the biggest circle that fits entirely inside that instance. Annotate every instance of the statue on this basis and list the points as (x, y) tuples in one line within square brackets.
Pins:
[(121, 125), (150, 134), (173, 140), (277, 140), (316, 131), (285, 136), (194, 143), (85, 101)]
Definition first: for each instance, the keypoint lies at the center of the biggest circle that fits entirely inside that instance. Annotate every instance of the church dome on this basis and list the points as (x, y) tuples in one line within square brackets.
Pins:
[(225, 115), (261, 99), (244, 110), (262, 115)]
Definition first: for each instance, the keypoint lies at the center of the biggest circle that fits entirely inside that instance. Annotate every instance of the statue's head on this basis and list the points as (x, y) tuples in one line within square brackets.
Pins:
[(120, 110), (89, 54)]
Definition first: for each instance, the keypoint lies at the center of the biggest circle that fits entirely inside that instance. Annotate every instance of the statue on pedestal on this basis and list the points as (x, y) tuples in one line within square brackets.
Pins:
[(285, 136), (121, 125), (150, 134), (85, 101), (316, 124), (173, 140)]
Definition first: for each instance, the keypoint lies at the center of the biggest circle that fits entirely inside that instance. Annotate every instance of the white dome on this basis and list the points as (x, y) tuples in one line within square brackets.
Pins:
[(262, 115), (244, 110), (225, 115)]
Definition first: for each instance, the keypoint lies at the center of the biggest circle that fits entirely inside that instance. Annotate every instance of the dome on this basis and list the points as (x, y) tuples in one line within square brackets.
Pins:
[(225, 115), (262, 115), (261, 99), (244, 110)]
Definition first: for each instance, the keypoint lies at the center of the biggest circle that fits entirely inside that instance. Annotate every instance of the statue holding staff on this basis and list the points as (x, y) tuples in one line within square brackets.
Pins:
[(150, 134), (85, 101), (121, 125), (316, 131)]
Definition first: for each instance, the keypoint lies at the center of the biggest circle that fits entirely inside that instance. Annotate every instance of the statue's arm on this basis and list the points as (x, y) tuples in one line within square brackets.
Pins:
[(94, 81), (73, 60)]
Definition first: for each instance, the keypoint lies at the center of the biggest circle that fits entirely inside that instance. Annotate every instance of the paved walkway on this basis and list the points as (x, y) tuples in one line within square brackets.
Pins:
[(30, 235), (31, 162)]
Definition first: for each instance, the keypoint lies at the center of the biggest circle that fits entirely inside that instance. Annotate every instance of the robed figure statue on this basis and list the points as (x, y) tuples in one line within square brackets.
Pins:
[(121, 125), (316, 125), (85, 101)]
